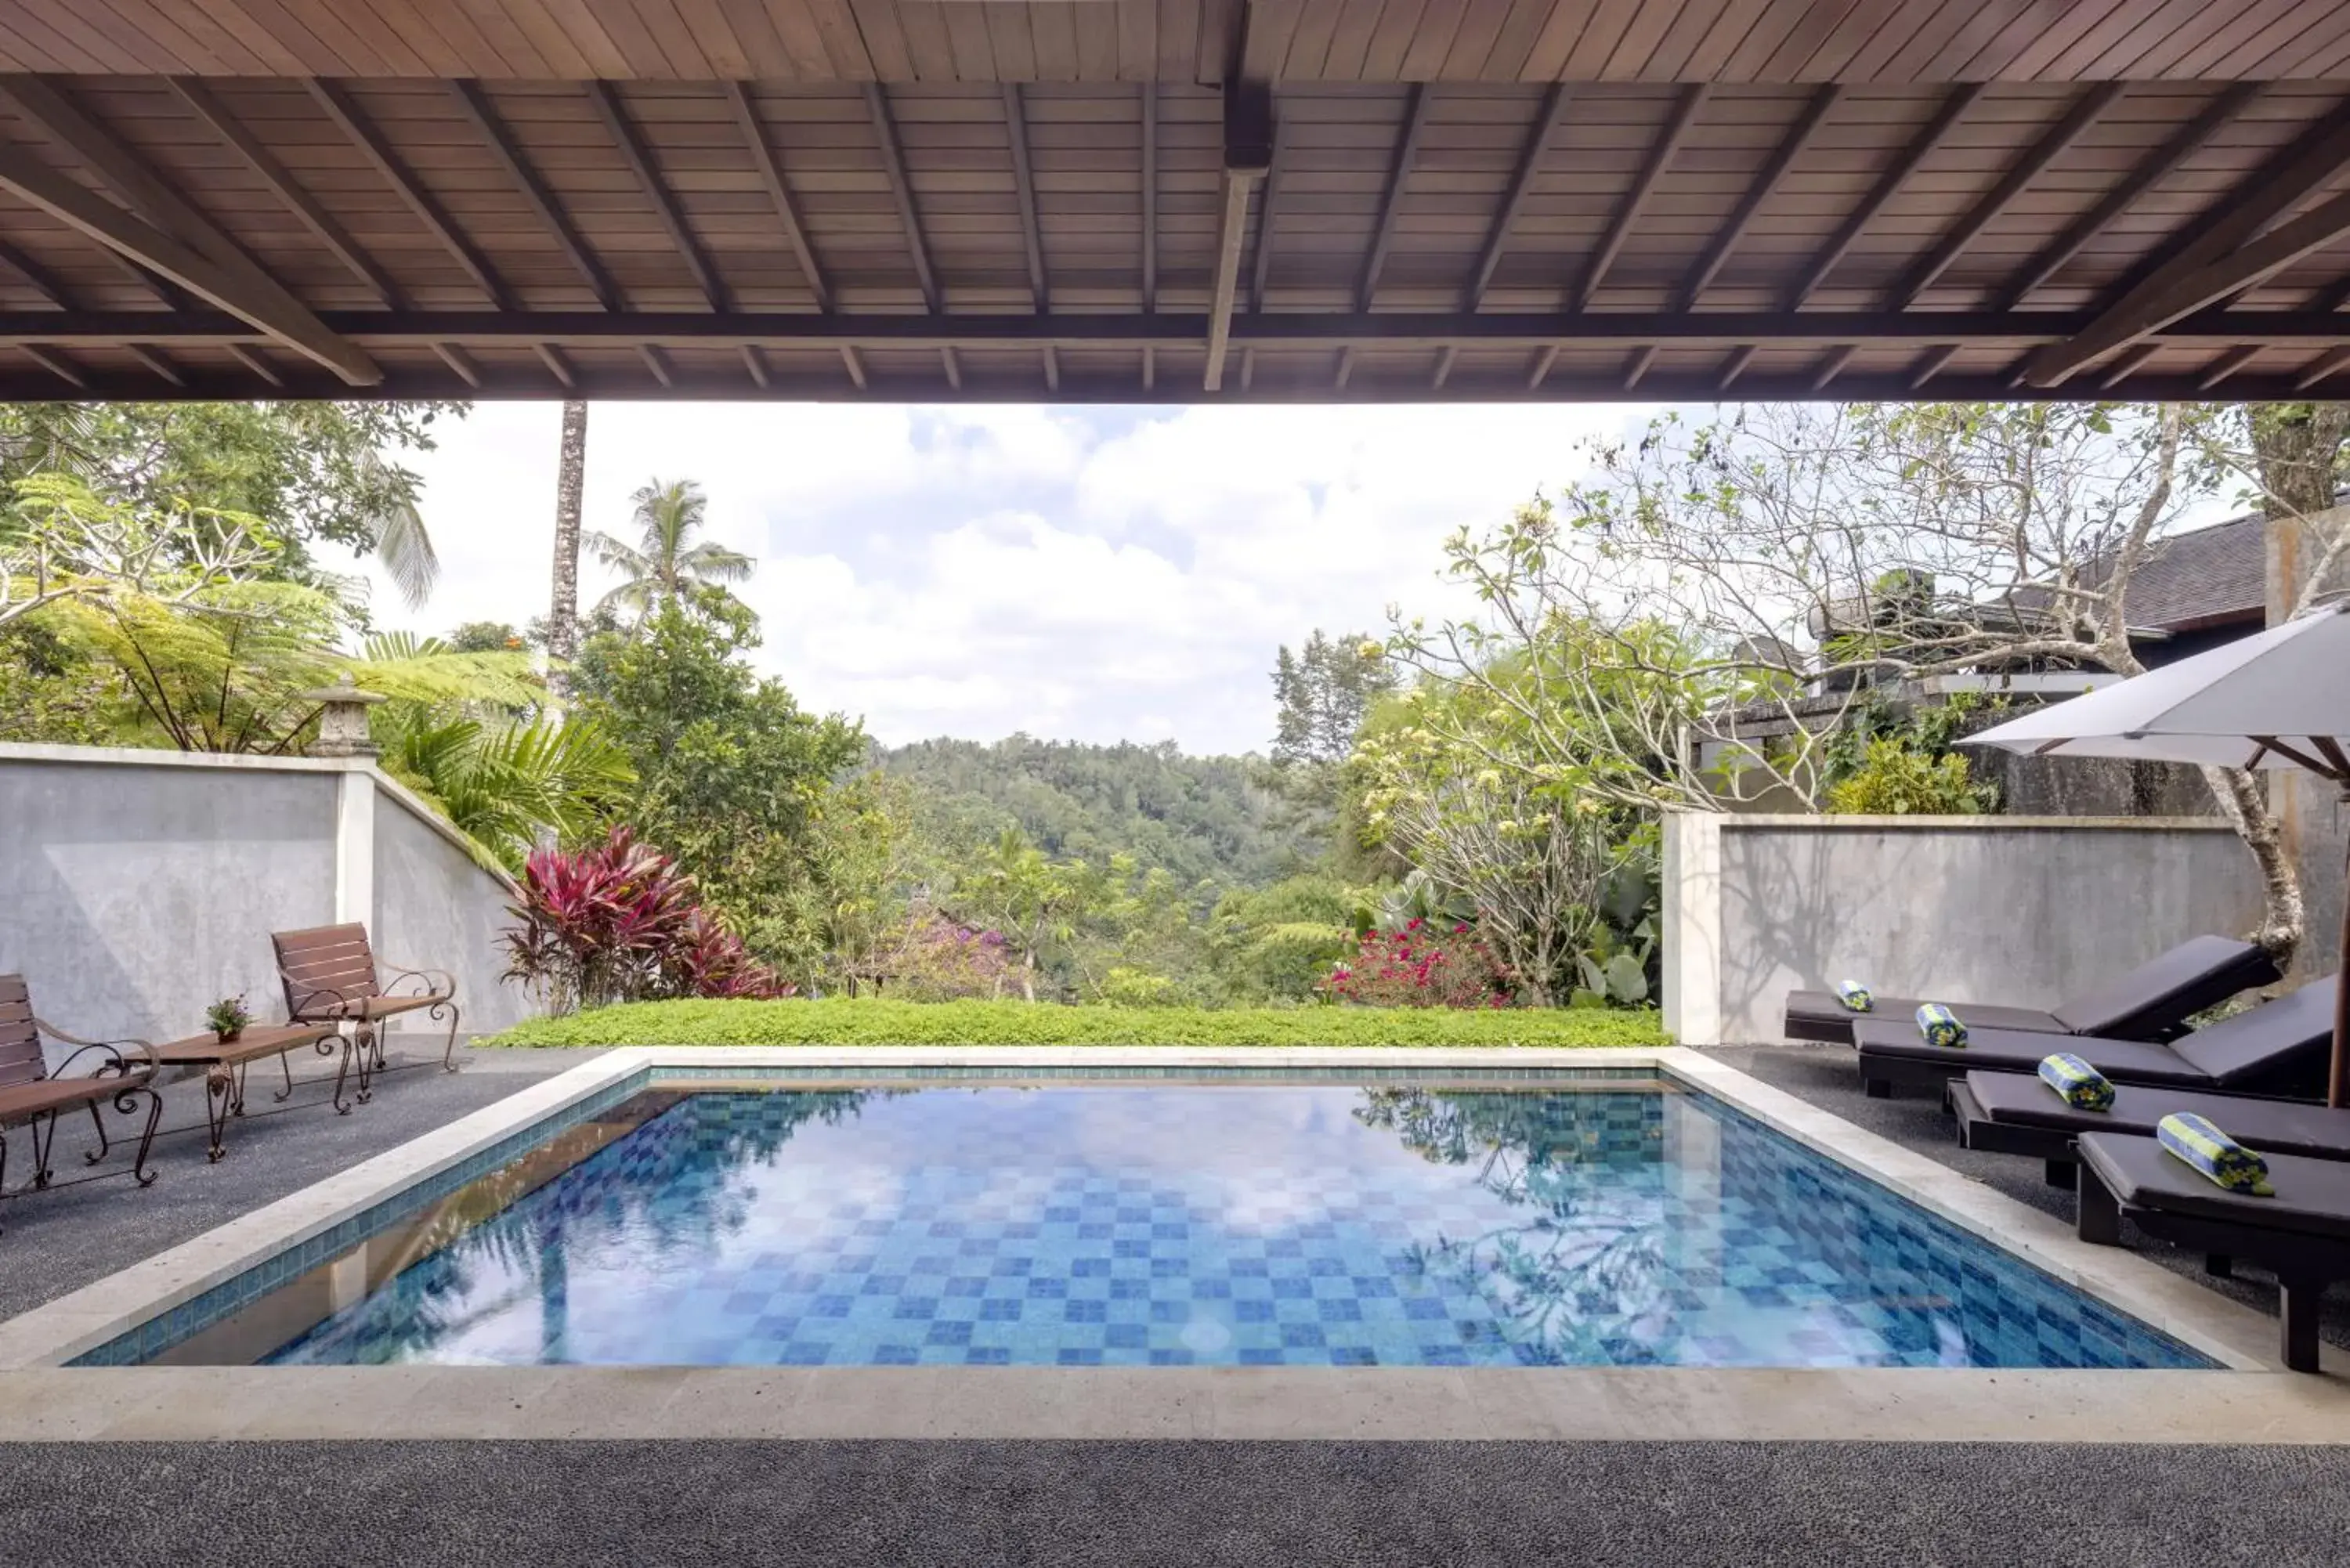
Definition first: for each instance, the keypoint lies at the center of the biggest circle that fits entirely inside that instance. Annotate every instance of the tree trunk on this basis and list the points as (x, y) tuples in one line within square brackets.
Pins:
[(563, 610), (1028, 976), (2298, 448)]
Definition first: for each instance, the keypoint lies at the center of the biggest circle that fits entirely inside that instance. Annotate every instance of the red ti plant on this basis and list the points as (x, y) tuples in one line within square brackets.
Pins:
[(619, 922), (708, 960), (1420, 965)]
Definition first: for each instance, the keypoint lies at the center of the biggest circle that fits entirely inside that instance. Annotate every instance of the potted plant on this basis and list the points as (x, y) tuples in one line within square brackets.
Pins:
[(227, 1018)]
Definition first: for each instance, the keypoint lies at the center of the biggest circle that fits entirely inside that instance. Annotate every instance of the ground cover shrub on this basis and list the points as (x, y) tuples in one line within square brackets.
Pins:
[(841, 1021)]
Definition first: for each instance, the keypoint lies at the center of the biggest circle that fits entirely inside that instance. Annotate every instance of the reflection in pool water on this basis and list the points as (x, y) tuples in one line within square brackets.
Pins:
[(1176, 1224)]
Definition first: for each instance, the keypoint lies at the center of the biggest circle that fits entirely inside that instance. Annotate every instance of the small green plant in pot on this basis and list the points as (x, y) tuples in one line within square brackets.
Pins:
[(227, 1018)]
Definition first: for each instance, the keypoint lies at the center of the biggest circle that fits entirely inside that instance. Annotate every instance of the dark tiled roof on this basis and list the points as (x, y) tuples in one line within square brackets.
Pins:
[(2207, 575)]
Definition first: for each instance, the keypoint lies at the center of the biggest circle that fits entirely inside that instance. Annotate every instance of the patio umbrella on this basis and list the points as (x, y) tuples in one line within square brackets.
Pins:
[(2279, 698)]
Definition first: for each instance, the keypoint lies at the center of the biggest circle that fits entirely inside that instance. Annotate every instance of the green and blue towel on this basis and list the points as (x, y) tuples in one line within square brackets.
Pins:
[(1856, 997), (1940, 1027), (2083, 1087), (2195, 1140)]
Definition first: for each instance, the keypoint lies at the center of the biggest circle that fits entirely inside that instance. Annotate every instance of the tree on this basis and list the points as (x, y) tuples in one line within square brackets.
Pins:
[(563, 604), (731, 770), (1772, 569), (665, 564), (1321, 691), (313, 471)]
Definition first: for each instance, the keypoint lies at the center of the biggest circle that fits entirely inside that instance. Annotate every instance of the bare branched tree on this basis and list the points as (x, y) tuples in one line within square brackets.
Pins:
[(1749, 580)]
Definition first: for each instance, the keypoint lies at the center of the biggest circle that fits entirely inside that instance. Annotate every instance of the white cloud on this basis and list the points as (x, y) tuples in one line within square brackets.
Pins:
[(1126, 574)]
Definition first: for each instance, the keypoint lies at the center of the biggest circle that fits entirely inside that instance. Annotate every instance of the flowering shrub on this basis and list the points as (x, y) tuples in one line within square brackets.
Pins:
[(933, 959), (1420, 964), (619, 922)]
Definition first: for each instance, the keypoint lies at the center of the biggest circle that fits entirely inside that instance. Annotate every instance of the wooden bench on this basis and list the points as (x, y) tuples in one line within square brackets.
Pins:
[(31, 1094), (331, 977)]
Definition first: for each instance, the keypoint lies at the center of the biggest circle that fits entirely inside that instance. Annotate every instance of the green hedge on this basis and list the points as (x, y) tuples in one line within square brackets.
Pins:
[(841, 1022)]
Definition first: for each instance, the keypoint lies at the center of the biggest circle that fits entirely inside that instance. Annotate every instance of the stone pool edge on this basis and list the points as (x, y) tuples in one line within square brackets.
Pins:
[(2252, 1401)]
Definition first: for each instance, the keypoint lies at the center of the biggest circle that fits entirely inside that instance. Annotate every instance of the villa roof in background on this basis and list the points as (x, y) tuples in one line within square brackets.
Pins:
[(2204, 577), (1174, 200)]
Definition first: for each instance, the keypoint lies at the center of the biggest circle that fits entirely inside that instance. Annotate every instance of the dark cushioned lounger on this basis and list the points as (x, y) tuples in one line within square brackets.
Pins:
[(2153, 1001), (2015, 1113), (2301, 1235), (2277, 1048)]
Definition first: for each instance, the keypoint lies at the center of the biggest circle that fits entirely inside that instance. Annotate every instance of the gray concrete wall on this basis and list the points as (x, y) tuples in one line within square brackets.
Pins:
[(2013, 909), (435, 906), (136, 887)]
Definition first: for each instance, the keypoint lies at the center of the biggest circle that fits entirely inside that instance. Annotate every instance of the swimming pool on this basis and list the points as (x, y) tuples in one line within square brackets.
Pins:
[(1420, 1221)]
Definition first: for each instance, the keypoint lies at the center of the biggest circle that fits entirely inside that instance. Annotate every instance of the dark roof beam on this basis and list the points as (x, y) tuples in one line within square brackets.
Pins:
[(1554, 109), (1921, 146), (345, 112), (2053, 144), (1782, 157), (1407, 151), (666, 206), (477, 107), (1652, 172)]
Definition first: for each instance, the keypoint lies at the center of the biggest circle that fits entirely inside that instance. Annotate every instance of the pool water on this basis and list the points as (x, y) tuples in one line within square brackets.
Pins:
[(1212, 1225)]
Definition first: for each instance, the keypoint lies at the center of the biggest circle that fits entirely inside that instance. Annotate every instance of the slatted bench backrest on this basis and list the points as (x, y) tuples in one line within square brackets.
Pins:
[(324, 966), (20, 1041)]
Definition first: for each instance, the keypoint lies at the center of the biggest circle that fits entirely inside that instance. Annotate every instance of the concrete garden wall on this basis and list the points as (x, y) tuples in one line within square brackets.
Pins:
[(138, 887), (2020, 910)]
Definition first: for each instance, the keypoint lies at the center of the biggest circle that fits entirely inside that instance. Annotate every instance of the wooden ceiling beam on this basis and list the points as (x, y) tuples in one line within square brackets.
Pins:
[(1627, 212), (2123, 368), (352, 121), (206, 105), (245, 293), (252, 360), (910, 217), (606, 98), (1741, 358), (1832, 366), (2227, 366), (1032, 233), (1149, 182), (1953, 108), (1782, 157), (158, 363), (2218, 253), (558, 365), (1261, 269), (468, 368), (56, 364), (2322, 369), (2146, 174), (1407, 152), (38, 278), (156, 224), (1920, 331), (2053, 144), (478, 108), (787, 213), (1249, 135), (1932, 364), (1555, 98)]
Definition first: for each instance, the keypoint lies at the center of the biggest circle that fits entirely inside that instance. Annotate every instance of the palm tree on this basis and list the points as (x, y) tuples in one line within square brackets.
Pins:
[(665, 564), (563, 611)]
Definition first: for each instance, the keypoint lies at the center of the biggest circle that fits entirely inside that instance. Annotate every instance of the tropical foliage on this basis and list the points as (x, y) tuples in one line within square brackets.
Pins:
[(839, 1020), (665, 566), (619, 922)]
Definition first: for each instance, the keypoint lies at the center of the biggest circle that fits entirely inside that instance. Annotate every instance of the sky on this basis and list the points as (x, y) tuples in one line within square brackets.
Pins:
[(1074, 572)]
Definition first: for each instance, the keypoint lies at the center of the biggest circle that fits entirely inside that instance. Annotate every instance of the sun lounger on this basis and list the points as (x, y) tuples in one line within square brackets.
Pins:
[(2015, 1113), (31, 1095), (2279, 1047), (2301, 1234), (331, 977), (2153, 1001)]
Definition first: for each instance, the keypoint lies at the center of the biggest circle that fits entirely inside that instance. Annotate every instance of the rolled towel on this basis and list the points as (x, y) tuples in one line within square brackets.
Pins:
[(1855, 995), (2195, 1140), (1940, 1027), (2083, 1087)]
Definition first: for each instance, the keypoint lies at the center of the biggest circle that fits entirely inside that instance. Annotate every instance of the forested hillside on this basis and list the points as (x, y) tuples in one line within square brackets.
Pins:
[(1200, 818)]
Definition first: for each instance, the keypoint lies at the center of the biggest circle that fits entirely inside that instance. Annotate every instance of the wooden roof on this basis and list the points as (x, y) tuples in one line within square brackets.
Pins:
[(1174, 200)]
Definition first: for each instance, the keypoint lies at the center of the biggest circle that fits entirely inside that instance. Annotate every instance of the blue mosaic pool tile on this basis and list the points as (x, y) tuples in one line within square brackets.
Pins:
[(1387, 1226)]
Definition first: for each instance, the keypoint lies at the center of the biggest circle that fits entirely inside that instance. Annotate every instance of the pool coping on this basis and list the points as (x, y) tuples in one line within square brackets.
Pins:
[(2250, 1399)]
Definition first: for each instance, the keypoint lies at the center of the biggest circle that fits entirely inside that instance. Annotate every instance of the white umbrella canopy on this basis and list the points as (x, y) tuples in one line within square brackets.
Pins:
[(2277, 700)]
